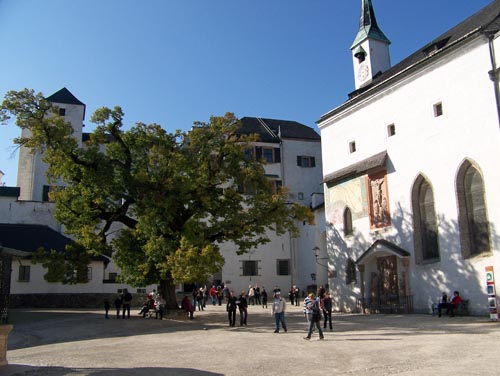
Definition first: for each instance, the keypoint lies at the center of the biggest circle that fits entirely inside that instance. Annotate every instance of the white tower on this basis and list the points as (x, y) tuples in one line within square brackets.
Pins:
[(370, 49), (31, 171)]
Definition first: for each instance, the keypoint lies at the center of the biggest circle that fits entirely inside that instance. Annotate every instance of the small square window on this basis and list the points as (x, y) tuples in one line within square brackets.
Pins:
[(250, 267), (391, 130), (62, 112), (283, 267), (352, 147), (24, 273), (301, 196), (438, 109)]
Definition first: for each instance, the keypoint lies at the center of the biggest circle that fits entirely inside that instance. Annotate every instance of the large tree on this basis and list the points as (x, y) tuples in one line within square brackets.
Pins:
[(158, 203)]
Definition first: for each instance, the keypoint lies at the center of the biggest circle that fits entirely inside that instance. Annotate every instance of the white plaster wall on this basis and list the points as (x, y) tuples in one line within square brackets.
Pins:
[(434, 146), (38, 285), (31, 170), (299, 251)]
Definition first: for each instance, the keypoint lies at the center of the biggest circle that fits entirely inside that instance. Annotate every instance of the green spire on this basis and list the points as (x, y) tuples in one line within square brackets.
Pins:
[(368, 27)]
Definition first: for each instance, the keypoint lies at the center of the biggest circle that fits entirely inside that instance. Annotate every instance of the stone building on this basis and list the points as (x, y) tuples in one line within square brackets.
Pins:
[(293, 154)]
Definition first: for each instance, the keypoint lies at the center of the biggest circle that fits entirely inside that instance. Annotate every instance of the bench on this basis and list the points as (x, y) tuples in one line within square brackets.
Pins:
[(461, 310)]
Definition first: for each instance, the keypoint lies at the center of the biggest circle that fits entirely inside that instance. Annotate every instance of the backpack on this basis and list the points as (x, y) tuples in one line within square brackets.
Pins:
[(316, 311)]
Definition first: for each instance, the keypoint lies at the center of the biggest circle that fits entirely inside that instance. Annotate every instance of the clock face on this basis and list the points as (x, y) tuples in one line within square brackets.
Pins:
[(363, 72)]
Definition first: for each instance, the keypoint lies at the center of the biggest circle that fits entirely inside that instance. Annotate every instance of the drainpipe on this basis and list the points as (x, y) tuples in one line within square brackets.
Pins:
[(494, 72)]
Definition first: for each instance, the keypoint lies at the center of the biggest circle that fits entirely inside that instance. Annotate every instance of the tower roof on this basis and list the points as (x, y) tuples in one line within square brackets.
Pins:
[(368, 27), (64, 96)]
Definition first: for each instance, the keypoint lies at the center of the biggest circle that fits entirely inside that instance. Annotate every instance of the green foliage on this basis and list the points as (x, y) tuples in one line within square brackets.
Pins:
[(159, 203), (69, 267)]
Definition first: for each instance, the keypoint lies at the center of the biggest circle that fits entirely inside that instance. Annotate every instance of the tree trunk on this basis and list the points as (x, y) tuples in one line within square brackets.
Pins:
[(167, 289)]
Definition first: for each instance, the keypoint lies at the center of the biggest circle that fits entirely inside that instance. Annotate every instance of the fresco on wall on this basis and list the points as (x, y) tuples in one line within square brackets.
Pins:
[(351, 193)]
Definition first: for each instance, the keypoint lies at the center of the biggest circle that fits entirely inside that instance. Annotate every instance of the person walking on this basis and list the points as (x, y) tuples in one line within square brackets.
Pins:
[(278, 311), (307, 304), (231, 308), (327, 310), (243, 307), (315, 307)]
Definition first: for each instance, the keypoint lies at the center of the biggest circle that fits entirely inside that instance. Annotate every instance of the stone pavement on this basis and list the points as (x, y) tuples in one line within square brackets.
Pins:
[(83, 342)]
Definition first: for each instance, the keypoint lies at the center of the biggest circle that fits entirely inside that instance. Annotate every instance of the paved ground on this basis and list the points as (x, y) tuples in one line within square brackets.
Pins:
[(82, 342)]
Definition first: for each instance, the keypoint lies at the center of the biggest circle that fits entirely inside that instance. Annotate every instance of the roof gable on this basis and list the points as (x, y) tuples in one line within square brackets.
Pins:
[(272, 130), (29, 238)]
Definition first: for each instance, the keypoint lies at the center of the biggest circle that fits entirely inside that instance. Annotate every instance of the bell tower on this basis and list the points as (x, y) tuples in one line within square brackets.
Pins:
[(370, 49)]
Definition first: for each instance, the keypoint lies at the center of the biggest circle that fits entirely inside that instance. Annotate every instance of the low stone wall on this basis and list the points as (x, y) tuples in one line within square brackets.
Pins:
[(68, 300)]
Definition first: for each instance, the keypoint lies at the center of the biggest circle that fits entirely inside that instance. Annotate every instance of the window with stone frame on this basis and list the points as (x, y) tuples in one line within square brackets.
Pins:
[(249, 267), (350, 272), (348, 228), (425, 223), (378, 199), (283, 267), (24, 273), (473, 221)]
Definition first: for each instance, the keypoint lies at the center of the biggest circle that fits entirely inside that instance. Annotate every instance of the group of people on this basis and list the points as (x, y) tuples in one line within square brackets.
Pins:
[(450, 306), (317, 307), (122, 305), (154, 302), (254, 296)]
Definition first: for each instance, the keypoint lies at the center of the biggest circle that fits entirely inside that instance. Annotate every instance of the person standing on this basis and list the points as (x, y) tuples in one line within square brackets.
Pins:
[(213, 294), (327, 310), (291, 295), (315, 307), (126, 300), (118, 305), (160, 307), (187, 306), (231, 308), (251, 295), (297, 295), (278, 311), (263, 295), (243, 308), (106, 307), (257, 294)]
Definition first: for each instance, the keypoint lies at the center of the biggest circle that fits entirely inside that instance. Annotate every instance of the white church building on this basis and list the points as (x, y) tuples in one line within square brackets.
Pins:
[(411, 176)]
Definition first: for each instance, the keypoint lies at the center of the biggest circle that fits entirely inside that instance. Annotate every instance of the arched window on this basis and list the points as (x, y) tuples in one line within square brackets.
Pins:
[(424, 222), (348, 229), (350, 272), (472, 214)]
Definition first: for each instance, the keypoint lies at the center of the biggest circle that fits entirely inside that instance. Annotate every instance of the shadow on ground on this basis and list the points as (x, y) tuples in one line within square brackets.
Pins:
[(149, 371)]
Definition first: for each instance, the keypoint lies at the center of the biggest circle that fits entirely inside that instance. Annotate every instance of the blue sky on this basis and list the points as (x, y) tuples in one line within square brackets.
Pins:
[(173, 62)]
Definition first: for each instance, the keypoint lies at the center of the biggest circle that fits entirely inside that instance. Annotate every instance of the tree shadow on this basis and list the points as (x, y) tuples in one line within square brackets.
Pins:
[(18, 370), (427, 280)]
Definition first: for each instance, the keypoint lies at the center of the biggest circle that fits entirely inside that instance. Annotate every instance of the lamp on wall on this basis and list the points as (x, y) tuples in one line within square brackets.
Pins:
[(316, 250)]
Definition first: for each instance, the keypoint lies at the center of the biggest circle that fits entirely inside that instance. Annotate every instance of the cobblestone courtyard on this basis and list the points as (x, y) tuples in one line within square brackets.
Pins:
[(83, 342)]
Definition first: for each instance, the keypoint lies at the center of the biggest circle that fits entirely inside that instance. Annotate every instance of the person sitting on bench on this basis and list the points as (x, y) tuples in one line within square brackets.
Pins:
[(451, 306)]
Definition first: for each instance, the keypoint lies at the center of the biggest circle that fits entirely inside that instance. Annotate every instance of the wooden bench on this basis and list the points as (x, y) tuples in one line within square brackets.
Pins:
[(461, 310)]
